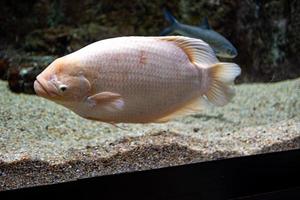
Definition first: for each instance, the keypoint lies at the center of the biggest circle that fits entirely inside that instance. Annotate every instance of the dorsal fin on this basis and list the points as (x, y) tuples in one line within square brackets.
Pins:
[(204, 24), (198, 51)]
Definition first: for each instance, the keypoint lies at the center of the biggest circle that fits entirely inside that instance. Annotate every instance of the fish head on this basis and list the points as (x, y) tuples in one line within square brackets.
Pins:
[(225, 51), (63, 81), (231, 52)]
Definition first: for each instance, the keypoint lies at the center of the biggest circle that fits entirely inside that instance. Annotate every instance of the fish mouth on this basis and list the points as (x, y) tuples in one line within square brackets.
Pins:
[(43, 88), (229, 56), (229, 53), (224, 55), (233, 54)]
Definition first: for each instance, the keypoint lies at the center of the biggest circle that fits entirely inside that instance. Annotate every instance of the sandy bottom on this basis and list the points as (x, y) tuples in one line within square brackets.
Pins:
[(43, 143)]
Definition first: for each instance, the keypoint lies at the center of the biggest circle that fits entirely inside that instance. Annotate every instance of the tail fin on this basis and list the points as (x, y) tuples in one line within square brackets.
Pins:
[(169, 17), (173, 23), (222, 76)]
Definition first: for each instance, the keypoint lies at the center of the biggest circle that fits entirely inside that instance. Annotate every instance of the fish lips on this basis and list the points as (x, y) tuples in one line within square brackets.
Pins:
[(226, 55), (44, 88)]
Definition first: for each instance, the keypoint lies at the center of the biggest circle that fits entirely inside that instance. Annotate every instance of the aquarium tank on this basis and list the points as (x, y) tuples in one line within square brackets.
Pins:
[(92, 88)]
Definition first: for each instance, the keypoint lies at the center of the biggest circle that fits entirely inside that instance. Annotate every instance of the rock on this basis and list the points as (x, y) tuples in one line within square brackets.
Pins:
[(265, 43), (23, 71), (264, 32), (44, 143), (4, 65), (50, 40), (62, 40)]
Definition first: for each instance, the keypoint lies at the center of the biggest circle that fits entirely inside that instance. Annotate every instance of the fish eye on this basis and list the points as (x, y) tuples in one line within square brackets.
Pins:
[(63, 88), (229, 51)]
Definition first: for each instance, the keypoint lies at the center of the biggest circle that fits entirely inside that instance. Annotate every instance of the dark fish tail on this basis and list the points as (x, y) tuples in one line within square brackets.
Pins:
[(173, 23), (169, 17)]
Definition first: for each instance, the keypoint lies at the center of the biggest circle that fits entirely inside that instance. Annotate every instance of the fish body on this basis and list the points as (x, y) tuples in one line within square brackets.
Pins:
[(221, 46), (138, 79)]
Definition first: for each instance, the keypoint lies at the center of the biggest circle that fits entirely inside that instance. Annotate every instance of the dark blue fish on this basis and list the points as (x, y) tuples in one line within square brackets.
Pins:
[(221, 46)]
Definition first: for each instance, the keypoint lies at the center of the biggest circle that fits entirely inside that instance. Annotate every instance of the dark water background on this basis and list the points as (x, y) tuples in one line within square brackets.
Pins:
[(34, 32)]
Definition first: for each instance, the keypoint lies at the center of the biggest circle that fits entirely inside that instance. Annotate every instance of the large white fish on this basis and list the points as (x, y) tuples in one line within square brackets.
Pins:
[(138, 79)]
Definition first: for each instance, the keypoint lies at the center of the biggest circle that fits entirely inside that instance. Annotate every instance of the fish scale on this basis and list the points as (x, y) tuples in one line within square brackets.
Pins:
[(155, 74)]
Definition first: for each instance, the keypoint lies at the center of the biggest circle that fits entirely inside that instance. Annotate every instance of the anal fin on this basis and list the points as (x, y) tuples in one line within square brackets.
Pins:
[(192, 107)]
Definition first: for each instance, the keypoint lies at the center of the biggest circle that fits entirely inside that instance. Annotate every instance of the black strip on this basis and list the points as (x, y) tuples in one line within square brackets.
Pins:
[(251, 177)]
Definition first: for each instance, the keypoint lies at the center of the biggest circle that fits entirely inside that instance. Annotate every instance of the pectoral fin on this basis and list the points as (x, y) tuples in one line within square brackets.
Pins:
[(109, 100)]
